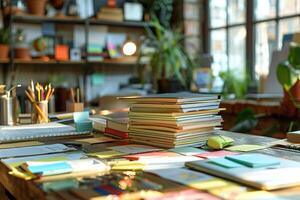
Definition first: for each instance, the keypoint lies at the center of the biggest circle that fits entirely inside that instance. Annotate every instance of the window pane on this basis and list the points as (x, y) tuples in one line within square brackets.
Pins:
[(265, 9), (237, 49), (289, 7), (236, 11), (217, 13), (218, 50), (291, 25), (265, 43)]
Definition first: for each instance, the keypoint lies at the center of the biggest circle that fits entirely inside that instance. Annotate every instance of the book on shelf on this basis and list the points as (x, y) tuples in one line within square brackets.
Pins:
[(110, 14)]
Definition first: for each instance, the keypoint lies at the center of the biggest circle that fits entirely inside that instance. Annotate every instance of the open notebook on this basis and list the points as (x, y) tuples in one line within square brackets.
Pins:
[(33, 131)]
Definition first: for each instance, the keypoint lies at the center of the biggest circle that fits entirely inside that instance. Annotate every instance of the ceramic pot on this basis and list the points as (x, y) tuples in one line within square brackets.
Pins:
[(36, 7), (22, 53), (4, 51)]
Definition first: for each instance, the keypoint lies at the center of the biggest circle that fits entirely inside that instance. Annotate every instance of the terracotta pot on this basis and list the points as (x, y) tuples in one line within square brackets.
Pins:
[(36, 7), (4, 51), (22, 53)]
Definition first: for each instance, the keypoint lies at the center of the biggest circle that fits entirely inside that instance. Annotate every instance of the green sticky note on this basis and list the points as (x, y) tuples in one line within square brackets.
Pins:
[(187, 151), (245, 147), (224, 162)]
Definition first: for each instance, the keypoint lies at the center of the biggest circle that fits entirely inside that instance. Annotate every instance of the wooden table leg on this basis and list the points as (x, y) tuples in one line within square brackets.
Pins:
[(3, 194)]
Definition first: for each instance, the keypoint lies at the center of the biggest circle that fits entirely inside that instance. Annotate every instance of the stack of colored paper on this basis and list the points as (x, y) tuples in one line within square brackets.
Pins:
[(173, 120)]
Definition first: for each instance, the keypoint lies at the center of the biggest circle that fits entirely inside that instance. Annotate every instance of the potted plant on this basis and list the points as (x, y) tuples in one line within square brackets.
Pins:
[(234, 84), (21, 49), (4, 40), (36, 7), (171, 66), (288, 75)]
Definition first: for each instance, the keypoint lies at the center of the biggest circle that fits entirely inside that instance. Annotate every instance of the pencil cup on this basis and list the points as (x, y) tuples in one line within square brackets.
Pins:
[(75, 107), (8, 110), (40, 112)]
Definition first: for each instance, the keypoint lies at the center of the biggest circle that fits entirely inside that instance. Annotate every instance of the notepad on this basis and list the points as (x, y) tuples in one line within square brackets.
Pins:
[(254, 160), (35, 150), (187, 151), (32, 131), (50, 169), (225, 162)]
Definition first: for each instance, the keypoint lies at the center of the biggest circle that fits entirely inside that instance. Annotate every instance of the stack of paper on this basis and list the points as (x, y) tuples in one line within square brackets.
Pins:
[(173, 120), (114, 124)]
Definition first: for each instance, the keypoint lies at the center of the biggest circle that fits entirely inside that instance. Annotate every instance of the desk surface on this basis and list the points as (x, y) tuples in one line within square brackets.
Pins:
[(22, 189)]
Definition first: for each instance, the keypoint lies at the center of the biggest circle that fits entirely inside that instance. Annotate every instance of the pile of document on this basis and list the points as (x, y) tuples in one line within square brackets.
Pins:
[(173, 120)]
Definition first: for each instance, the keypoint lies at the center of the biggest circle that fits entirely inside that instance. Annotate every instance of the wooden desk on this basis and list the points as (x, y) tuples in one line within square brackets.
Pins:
[(24, 190)]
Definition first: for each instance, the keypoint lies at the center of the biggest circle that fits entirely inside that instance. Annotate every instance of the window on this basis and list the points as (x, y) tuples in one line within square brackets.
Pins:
[(228, 35), (229, 23)]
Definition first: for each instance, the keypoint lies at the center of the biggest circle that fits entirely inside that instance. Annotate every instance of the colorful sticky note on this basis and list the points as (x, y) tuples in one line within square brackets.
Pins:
[(151, 155), (183, 176), (82, 122), (245, 147), (224, 162), (215, 154), (134, 148), (96, 140), (254, 160), (50, 169), (107, 154), (187, 151)]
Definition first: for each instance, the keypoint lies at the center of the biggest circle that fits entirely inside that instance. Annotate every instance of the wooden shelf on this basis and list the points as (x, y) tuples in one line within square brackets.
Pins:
[(129, 24), (37, 61), (69, 62), (32, 19)]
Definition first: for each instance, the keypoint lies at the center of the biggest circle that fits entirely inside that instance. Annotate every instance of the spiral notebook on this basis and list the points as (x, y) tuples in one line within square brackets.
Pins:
[(35, 131)]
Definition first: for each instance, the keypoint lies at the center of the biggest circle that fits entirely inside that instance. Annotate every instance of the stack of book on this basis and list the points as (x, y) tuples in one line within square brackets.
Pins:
[(110, 14), (114, 124), (173, 120)]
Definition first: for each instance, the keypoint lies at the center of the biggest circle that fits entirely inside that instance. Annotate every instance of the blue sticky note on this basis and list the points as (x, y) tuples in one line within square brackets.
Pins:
[(50, 169), (254, 160), (81, 116), (223, 162), (82, 122)]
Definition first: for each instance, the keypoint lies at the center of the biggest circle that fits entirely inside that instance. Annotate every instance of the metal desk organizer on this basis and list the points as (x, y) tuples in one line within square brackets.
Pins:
[(8, 107)]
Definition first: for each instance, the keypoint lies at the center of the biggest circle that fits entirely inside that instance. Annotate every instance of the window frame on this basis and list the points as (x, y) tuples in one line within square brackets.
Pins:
[(250, 25)]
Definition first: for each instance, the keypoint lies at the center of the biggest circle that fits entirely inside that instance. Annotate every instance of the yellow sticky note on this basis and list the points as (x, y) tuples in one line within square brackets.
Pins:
[(24, 175), (96, 140), (256, 195), (128, 165), (245, 147), (47, 159), (20, 144), (211, 183), (106, 154)]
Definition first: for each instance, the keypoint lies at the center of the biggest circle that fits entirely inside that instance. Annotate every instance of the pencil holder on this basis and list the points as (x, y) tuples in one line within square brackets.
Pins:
[(74, 107), (40, 112)]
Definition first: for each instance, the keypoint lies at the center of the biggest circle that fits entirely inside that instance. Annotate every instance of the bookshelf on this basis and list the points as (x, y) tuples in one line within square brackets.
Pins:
[(15, 19)]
